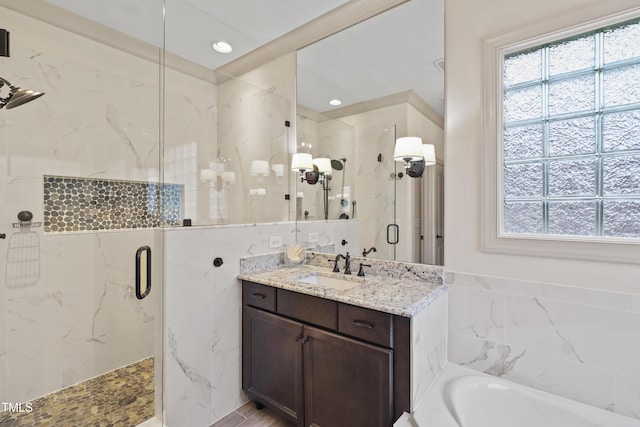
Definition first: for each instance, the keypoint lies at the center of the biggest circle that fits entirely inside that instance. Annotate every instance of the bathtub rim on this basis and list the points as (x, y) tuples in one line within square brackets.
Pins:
[(434, 411)]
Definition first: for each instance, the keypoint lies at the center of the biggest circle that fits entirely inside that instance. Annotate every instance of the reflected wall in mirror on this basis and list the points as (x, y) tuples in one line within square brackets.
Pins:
[(391, 84)]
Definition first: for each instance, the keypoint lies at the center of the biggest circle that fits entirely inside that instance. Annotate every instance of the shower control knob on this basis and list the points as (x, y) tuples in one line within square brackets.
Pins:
[(25, 216)]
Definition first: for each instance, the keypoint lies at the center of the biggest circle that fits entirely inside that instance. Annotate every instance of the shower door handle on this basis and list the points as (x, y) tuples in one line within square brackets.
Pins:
[(143, 271), (397, 234)]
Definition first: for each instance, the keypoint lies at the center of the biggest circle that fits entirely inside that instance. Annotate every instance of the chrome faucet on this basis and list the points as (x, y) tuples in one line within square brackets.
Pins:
[(347, 263)]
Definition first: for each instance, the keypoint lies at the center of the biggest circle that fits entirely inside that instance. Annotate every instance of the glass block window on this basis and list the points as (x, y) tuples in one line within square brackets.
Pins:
[(571, 136)]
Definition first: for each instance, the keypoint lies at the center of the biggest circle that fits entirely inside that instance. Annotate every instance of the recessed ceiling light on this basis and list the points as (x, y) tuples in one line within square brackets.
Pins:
[(335, 102), (222, 47)]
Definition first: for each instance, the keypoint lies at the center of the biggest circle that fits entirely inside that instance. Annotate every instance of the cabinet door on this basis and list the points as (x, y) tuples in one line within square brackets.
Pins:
[(272, 361), (347, 382)]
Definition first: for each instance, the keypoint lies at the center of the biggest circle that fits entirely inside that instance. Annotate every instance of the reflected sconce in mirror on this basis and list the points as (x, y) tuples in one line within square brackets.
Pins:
[(208, 175), (278, 169), (314, 171), (228, 177), (302, 162), (414, 154), (260, 168)]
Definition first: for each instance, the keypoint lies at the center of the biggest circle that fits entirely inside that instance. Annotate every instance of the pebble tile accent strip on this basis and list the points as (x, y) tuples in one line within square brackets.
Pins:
[(120, 398), (86, 204)]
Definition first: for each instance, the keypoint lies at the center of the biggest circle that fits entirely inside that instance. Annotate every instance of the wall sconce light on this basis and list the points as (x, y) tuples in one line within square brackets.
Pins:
[(323, 164), (408, 149), (414, 154), (302, 162)]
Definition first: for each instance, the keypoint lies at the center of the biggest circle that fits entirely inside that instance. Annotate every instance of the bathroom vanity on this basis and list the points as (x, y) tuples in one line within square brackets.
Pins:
[(329, 350)]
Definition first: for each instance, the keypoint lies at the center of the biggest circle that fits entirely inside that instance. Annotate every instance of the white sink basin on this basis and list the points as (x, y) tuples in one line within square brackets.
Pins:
[(332, 282)]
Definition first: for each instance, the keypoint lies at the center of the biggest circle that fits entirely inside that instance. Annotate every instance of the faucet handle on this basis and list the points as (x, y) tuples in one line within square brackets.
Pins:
[(335, 265), (361, 270)]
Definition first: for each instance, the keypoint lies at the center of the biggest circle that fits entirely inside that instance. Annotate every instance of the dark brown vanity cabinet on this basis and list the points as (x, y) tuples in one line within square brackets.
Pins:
[(298, 359)]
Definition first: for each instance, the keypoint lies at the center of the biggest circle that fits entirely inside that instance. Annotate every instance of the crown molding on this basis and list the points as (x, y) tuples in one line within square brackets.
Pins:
[(406, 97)]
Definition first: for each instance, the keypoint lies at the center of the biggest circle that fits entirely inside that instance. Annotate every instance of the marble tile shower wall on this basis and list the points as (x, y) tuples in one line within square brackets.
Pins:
[(71, 312), (580, 343)]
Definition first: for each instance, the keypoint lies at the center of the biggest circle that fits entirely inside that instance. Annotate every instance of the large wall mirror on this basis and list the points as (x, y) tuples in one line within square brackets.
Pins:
[(357, 91)]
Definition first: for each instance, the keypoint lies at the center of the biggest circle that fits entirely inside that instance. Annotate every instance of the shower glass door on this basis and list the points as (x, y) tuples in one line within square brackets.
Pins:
[(81, 192), (380, 229)]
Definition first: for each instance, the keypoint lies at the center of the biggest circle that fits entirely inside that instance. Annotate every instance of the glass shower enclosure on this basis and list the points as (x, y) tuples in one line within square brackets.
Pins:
[(83, 206)]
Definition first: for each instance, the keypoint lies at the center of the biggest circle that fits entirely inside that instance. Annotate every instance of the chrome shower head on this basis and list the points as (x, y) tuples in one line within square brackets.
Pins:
[(17, 96), (338, 164)]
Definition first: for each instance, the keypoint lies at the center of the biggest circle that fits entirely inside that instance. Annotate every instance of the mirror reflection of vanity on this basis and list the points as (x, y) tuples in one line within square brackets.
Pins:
[(390, 87)]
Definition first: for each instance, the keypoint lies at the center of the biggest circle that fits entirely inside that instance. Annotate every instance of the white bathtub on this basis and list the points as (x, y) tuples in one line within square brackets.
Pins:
[(461, 397)]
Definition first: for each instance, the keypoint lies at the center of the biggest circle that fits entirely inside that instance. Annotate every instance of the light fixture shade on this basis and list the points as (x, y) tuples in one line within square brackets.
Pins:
[(302, 162), (429, 154), (259, 167), (278, 169), (208, 175), (408, 148), (228, 176), (323, 164)]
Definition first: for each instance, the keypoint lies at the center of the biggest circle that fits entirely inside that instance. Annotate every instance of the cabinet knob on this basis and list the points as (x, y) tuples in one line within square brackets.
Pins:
[(297, 337)]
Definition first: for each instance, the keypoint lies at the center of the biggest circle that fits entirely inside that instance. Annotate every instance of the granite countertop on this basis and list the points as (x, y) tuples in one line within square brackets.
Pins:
[(398, 288)]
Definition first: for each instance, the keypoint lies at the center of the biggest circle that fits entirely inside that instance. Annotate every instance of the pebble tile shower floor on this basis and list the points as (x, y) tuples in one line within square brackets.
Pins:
[(120, 398)]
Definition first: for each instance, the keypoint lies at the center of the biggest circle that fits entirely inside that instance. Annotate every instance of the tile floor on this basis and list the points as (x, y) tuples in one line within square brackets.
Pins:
[(248, 416), (120, 398)]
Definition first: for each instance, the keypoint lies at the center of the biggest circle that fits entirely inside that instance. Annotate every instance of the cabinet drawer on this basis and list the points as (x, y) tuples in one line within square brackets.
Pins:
[(363, 323), (307, 308), (260, 296)]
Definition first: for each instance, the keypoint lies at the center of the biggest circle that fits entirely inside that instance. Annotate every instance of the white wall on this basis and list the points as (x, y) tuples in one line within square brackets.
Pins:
[(468, 22)]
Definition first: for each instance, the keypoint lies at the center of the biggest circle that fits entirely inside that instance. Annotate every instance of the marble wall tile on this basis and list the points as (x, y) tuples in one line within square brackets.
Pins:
[(478, 313), (429, 347), (203, 320), (584, 334), (628, 396), (497, 284), (580, 343), (266, 97), (591, 297)]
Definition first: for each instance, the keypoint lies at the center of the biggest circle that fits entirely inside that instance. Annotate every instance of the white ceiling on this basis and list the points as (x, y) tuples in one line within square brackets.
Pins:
[(389, 53)]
